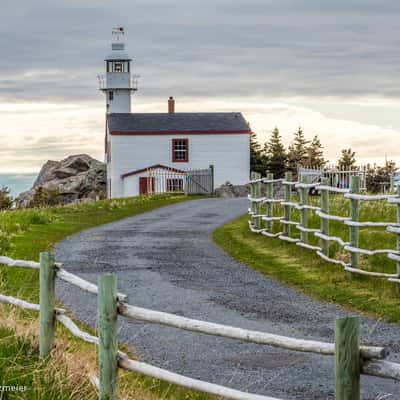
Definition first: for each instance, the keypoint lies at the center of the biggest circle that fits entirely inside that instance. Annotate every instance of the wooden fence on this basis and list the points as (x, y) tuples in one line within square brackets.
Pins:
[(350, 222), (351, 359), (194, 181), (200, 181)]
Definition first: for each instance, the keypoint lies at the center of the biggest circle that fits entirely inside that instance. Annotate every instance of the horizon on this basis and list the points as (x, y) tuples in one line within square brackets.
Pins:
[(339, 83)]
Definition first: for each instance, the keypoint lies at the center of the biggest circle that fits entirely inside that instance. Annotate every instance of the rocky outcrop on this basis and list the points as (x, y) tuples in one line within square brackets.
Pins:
[(229, 190), (73, 179)]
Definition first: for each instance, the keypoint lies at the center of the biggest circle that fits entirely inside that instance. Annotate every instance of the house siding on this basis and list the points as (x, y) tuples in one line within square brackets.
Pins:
[(229, 153)]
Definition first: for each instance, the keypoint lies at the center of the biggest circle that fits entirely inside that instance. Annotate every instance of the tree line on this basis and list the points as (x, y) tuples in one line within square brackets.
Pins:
[(274, 157)]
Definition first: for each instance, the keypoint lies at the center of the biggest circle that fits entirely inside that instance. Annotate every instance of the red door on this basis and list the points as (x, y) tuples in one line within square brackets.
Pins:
[(146, 185)]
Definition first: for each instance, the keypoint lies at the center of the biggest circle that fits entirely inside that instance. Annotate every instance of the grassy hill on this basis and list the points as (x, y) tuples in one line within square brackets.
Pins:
[(23, 235)]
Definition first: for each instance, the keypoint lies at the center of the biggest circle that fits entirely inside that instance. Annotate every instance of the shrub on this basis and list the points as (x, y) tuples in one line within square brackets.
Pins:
[(43, 197), (6, 200), (39, 218)]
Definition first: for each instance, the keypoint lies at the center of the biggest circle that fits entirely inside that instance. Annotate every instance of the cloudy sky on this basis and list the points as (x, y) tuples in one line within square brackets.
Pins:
[(330, 66)]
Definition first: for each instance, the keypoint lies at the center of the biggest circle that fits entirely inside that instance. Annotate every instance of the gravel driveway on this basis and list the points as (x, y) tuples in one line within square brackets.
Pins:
[(165, 260)]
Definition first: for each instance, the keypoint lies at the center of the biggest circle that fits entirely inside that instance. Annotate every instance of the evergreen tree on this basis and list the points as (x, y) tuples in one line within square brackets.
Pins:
[(379, 178), (390, 167), (316, 153), (298, 153), (275, 154), (256, 156), (347, 160)]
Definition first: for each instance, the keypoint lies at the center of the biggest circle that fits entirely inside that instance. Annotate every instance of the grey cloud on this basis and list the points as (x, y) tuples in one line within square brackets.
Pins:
[(43, 148), (211, 48)]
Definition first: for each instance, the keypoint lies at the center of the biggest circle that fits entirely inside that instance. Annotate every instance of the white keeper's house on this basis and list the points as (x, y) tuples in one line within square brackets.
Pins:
[(138, 142)]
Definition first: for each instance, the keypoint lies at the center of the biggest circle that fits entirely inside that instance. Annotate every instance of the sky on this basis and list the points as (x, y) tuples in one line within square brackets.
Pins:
[(331, 67)]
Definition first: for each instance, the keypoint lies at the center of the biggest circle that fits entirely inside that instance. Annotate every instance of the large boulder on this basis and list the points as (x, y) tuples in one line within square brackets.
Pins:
[(73, 179), (229, 190)]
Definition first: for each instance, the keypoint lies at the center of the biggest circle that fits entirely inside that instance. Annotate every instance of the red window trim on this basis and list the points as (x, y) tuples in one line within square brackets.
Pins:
[(187, 149)]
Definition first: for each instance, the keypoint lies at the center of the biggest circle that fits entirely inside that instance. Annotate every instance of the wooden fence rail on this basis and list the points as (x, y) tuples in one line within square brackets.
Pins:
[(351, 358), (351, 222)]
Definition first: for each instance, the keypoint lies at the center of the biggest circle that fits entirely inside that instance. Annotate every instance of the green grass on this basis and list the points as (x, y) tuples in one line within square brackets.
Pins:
[(304, 270), (26, 233), (30, 377)]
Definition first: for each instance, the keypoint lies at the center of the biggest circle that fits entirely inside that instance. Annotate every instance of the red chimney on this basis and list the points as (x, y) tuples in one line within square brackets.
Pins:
[(171, 105)]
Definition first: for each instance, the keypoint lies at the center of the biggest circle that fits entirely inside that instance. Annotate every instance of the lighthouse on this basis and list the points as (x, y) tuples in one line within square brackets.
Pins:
[(158, 152), (118, 83)]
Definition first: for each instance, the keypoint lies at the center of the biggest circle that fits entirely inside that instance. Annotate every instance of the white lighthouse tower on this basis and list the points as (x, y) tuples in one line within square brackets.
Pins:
[(118, 83)]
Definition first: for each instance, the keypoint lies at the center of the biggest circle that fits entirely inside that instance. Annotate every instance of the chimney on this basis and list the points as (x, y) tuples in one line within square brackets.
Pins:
[(171, 105)]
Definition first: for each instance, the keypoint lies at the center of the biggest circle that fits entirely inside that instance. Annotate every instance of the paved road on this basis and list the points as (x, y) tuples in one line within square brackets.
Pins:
[(165, 260)]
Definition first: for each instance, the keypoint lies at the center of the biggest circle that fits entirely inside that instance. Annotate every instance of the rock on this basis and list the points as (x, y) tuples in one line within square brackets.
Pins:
[(229, 190), (76, 178), (62, 173)]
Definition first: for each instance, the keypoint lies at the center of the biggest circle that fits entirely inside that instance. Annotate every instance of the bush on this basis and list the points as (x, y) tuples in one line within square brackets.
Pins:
[(6, 200), (39, 218), (44, 198)]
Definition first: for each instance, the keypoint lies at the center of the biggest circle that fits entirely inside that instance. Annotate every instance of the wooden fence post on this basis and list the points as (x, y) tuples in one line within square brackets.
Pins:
[(287, 210), (47, 303), (354, 216), (324, 221), (269, 195), (212, 171), (108, 345), (252, 195), (304, 211), (257, 195), (397, 287), (347, 359)]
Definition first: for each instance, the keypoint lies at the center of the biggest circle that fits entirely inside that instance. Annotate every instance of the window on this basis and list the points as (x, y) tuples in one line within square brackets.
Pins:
[(111, 96), (117, 66), (174, 185), (180, 150)]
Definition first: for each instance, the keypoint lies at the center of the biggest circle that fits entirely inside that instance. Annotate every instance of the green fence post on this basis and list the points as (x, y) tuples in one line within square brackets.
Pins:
[(269, 195), (347, 359), (354, 216), (287, 210), (324, 221), (304, 211), (47, 303), (108, 345)]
